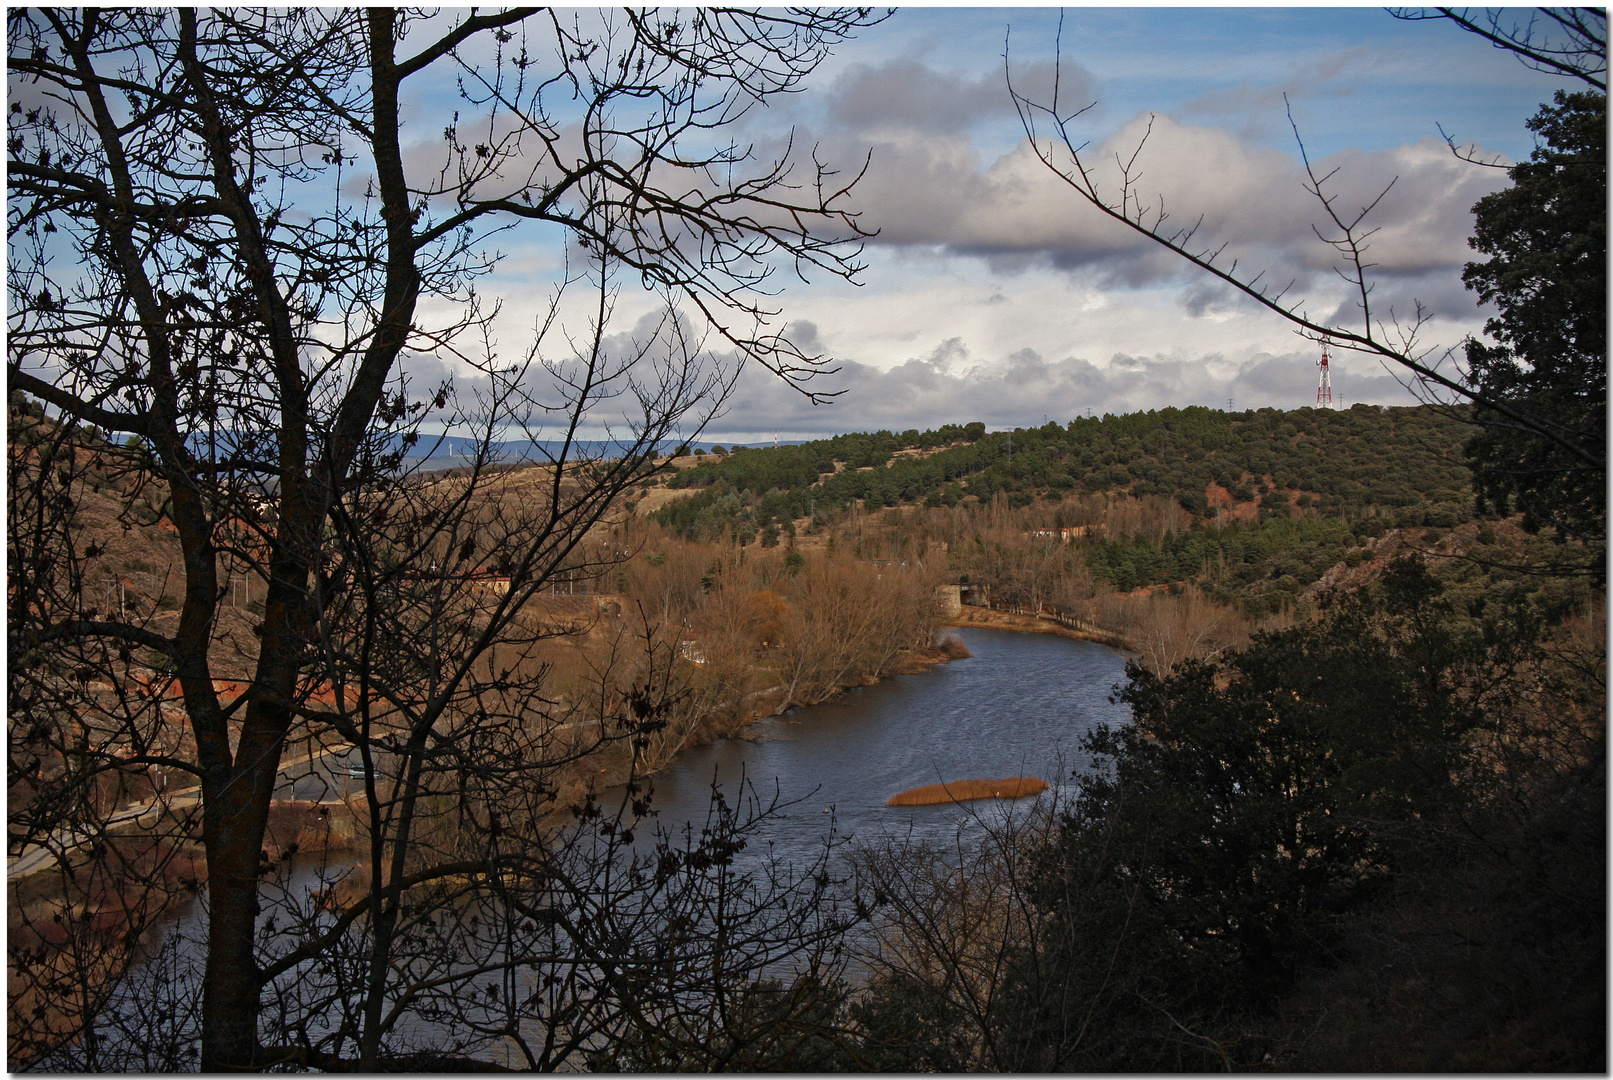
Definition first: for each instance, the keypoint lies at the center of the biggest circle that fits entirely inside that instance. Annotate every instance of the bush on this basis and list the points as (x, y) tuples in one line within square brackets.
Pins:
[(1229, 841)]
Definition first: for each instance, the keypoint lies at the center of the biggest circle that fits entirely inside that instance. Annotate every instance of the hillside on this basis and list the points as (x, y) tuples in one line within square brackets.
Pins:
[(1401, 464), (120, 551)]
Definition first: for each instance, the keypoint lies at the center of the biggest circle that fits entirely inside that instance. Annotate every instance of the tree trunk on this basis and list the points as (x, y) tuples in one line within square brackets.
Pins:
[(236, 793), (230, 984), (234, 821)]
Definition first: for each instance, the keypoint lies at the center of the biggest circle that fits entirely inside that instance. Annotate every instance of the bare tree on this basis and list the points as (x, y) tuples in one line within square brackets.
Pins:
[(852, 620), (1170, 629), (1556, 41), (956, 931), (222, 259), (614, 944), (1028, 566)]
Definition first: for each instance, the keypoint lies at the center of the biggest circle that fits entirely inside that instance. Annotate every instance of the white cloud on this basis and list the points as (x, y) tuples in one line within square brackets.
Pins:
[(995, 293), (948, 384)]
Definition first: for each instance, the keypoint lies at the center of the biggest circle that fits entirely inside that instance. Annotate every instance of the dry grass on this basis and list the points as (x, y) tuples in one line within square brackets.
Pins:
[(659, 497), (1013, 787)]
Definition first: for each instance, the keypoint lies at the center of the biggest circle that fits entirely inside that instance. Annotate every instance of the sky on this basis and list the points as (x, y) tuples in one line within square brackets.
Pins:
[(992, 292)]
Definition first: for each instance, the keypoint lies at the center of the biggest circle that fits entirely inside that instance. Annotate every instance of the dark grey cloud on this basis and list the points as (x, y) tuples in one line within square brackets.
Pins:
[(803, 334), (907, 95), (937, 193), (1210, 296)]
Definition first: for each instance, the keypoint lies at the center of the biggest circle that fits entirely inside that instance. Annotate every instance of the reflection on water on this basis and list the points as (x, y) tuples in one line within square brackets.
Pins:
[(1019, 706)]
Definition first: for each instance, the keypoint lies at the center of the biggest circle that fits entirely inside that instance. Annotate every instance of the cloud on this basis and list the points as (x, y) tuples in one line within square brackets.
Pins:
[(638, 373), (1212, 299), (1251, 106), (803, 334), (933, 191), (947, 385), (907, 96), (950, 192)]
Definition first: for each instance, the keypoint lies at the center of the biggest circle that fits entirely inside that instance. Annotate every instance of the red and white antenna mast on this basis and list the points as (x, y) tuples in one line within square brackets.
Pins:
[(1324, 388)]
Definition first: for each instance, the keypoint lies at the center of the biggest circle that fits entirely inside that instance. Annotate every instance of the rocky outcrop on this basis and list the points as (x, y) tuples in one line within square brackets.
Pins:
[(1364, 566)]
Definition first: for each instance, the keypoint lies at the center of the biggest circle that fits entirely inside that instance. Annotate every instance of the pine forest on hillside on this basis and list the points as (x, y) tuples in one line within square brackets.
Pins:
[(1401, 463), (1254, 506)]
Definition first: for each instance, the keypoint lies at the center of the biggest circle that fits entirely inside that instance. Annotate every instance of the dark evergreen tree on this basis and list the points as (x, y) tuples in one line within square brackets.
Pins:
[(1547, 278), (1222, 841)]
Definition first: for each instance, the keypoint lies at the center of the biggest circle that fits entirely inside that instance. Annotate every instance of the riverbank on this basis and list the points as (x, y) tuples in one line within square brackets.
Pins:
[(612, 768), (989, 619), (86, 923), (1020, 708)]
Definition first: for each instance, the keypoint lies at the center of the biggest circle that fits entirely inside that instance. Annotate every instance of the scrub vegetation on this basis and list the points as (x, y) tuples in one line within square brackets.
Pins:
[(1404, 464)]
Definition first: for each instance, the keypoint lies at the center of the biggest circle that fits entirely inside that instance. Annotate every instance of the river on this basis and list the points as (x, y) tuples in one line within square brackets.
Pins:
[(1018, 707)]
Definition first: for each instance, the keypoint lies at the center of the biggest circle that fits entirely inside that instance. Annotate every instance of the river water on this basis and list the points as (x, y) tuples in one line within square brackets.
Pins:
[(1018, 707)]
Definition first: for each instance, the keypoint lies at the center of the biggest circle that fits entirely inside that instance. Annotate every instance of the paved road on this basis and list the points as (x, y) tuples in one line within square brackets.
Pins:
[(330, 780), (39, 856)]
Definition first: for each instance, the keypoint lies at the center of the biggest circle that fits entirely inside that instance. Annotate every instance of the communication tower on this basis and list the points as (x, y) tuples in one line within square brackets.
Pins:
[(1324, 388)]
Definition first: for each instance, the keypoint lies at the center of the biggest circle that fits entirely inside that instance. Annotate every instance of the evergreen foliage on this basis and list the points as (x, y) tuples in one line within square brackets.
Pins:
[(1547, 278), (1233, 839), (1404, 461), (1401, 801), (1302, 548)]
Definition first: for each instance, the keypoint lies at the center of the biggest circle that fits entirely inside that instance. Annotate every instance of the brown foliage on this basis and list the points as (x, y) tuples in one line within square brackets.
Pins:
[(1169, 629), (754, 630), (1013, 787)]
